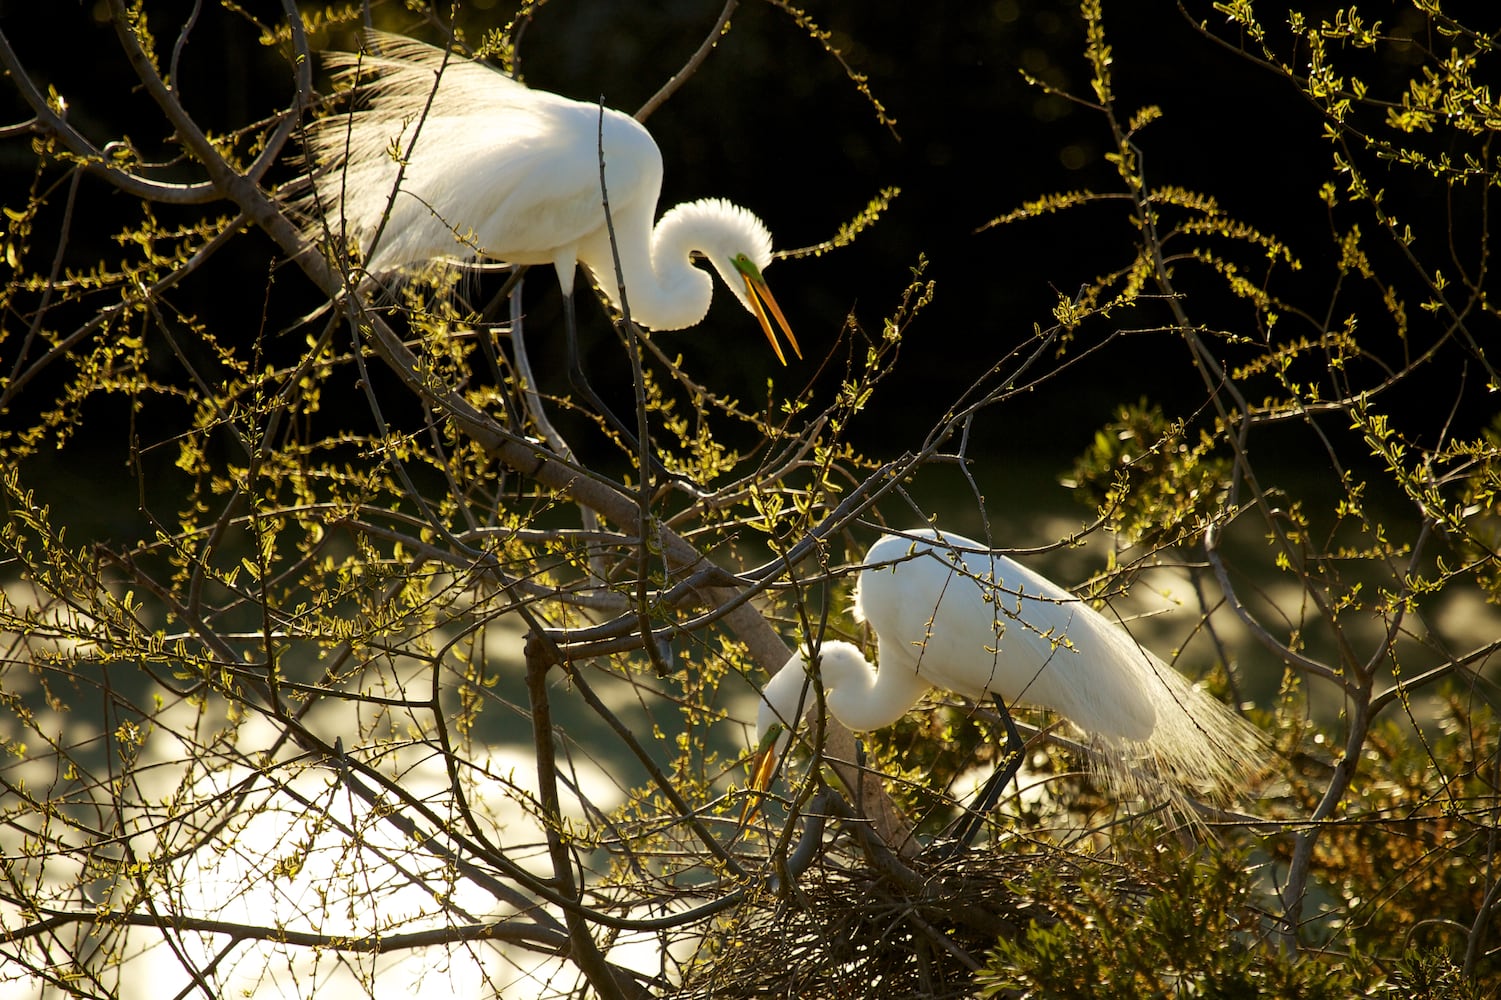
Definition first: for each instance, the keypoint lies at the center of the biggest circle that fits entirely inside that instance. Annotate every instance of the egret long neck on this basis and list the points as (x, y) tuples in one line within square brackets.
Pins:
[(858, 695), (864, 698), (663, 289)]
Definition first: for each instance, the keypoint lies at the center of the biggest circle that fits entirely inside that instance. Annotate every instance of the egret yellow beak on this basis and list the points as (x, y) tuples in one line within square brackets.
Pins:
[(757, 293), (763, 767)]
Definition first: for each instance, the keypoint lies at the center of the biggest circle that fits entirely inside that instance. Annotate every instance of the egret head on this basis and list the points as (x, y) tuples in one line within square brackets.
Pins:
[(738, 245)]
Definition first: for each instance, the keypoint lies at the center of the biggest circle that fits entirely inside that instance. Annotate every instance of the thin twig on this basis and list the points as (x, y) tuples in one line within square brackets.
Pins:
[(691, 66)]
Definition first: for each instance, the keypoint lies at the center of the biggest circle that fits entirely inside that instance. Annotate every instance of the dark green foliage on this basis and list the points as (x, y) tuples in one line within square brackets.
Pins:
[(1151, 484), (1189, 926)]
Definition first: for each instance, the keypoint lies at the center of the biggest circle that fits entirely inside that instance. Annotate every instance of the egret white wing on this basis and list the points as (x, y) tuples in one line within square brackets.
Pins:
[(974, 623), (487, 166)]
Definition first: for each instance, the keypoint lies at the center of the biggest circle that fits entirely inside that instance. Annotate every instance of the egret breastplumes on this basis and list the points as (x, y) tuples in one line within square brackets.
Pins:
[(948, 613), (447, 158)]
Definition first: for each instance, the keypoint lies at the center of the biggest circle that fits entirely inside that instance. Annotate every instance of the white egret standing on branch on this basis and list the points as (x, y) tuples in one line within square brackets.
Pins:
[(950, 614), (449, 158)]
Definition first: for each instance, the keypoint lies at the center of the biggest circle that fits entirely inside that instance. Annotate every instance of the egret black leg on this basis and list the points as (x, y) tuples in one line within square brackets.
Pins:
[(511, 293), (508, 291), (969, 823), (485, 332), (580, 381)]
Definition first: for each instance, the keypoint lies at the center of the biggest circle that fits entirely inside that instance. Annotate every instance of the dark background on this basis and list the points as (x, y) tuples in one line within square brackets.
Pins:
[(772, 122)]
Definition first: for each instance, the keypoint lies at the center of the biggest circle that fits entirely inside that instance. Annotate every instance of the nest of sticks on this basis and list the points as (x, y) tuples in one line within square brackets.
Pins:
[(857, 925)]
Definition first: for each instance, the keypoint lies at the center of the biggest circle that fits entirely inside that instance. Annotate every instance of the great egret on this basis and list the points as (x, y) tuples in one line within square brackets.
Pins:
[(483, 166), (948, 613)]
